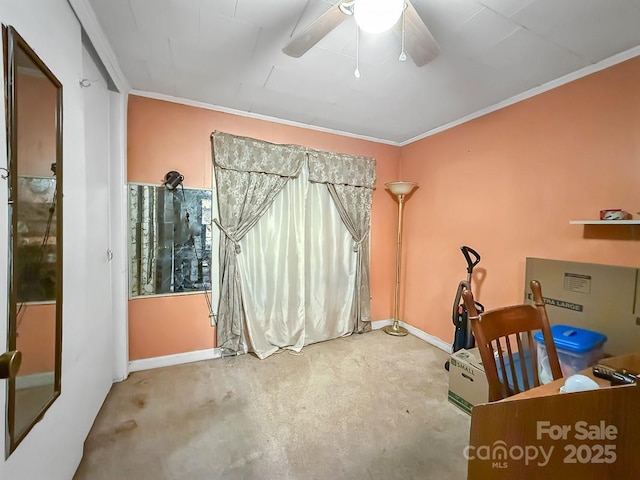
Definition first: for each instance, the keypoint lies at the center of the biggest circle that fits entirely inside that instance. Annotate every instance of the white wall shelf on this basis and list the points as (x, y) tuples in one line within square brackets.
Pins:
[(605, 222)]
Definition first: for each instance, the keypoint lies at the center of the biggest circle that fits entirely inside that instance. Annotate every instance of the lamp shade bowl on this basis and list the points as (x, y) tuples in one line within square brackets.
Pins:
[(401, 188)]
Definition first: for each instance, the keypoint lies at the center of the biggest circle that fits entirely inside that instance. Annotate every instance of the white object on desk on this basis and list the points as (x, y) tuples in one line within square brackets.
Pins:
[(578, 383)]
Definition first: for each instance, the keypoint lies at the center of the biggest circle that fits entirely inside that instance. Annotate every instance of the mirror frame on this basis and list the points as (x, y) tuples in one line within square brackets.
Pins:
[(13, 41)]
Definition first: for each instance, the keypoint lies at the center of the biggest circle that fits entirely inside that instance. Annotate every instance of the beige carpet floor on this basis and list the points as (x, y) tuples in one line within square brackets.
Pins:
[(367, 406)]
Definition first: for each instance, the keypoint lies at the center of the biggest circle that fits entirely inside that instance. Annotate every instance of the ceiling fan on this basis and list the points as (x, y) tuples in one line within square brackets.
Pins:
[(416, 37)]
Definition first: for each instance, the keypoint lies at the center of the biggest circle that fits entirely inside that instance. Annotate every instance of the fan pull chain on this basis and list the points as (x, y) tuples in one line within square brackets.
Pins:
[(403, 55), (357, 72)]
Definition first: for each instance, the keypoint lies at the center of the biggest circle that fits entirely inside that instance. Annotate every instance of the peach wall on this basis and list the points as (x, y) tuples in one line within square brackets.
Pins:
[(167, 325), (508, 183), (165, 136), (37, 151), (37, 338), (37, 125)]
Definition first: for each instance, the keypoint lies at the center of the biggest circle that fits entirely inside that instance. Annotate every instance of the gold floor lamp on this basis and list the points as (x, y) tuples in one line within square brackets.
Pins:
[(399, 189)]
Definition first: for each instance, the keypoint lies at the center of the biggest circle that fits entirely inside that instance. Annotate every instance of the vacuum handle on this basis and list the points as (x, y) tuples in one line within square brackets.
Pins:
[(462, 286), (468, 252)]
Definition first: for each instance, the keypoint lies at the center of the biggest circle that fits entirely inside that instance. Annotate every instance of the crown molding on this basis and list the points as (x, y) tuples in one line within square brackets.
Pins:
[(257, 116), (570, 77), (85, 14)]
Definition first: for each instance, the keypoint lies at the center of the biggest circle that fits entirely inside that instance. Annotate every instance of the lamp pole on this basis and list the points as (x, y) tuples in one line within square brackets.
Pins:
[(400, 190)]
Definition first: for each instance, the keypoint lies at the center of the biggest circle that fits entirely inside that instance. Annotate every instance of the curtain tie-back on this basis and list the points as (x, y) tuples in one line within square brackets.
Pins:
[(357, 244), (228, 234)]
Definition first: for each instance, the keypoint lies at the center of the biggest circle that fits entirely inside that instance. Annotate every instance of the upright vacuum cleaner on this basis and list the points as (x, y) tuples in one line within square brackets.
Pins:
[(464, 336)]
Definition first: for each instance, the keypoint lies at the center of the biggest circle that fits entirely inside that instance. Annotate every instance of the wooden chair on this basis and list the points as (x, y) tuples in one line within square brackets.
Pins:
[(503, 330)]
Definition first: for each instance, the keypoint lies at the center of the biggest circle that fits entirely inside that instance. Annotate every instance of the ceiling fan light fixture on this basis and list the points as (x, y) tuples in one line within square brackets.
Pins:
[(377, 16)]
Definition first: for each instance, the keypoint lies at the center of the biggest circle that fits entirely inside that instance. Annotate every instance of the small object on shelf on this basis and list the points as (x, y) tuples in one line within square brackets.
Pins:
[(604, 212), (615, 214), (605, 222)]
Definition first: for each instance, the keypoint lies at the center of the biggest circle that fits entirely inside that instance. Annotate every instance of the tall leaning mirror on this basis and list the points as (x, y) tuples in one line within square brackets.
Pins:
[(34, 128)]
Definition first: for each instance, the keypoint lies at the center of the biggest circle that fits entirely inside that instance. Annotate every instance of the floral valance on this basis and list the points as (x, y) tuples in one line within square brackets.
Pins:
[(245, 154), (342, 169)]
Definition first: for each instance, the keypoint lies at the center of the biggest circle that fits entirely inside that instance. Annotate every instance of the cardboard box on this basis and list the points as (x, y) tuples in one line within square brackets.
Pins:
[(467, 382), (600, 298)]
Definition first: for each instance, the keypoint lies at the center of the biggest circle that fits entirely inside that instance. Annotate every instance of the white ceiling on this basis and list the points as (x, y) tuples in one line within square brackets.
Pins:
[(227, 53)]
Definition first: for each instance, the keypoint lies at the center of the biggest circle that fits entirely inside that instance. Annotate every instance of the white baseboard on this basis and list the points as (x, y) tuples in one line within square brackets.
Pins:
[(378, 324), (427, 337), (35, 380), (416, 332), (177, 359), (211, 353)]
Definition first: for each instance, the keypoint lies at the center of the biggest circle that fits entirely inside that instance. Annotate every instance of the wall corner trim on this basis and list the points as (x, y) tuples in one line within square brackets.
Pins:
[(176, 359), (416, 332), (88, 20)]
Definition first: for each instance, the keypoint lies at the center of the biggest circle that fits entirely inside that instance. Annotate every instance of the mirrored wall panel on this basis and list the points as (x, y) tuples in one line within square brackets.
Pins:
[(34, 128), (170, 240), (35, 259)]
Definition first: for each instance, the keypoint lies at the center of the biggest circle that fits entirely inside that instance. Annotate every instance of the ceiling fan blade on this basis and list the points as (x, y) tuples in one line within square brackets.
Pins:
[(419, 42), (307, 38)]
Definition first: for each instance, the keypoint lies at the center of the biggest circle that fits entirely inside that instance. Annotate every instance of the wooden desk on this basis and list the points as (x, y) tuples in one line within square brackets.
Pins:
[(542, 433), (630, 362)]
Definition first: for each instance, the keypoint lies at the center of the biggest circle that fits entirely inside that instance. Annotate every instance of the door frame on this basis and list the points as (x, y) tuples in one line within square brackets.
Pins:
[(118, 183)]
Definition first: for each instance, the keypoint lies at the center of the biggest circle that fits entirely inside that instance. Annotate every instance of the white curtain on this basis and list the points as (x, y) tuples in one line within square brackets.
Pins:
[(330, 269), (294, 261), (249, 176), (297, 271)]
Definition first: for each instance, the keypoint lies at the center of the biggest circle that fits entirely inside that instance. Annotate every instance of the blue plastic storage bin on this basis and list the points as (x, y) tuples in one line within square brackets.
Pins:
[(526, 355), (577, 349)]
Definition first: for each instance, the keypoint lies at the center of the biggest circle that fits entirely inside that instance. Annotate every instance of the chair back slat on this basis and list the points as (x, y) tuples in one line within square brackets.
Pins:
[(499, 352), (496, 326), (523, 364), (512, 368), (552, 354), (534, 358)]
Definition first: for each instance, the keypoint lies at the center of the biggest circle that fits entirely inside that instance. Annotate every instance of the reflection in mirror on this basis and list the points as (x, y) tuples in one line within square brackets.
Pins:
[(35, 286), (170, 232), (35, 164)]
